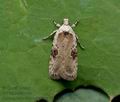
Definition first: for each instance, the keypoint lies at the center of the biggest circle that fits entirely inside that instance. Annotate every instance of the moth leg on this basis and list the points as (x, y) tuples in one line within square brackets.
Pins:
[(78, 41), (50, 35), (56, 24), (75, 24)]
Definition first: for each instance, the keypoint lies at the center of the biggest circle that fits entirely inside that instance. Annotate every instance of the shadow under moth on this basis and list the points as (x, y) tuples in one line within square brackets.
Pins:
[(63, 60)]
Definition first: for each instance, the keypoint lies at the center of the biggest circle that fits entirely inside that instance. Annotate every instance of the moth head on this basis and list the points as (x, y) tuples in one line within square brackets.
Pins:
[(66, 21)]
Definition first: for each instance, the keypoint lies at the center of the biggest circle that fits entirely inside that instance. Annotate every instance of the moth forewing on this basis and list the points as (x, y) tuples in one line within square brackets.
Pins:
[(63, 58)]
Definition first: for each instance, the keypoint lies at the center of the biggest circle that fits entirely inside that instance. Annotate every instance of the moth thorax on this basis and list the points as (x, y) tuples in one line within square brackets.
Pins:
[(65, 21)]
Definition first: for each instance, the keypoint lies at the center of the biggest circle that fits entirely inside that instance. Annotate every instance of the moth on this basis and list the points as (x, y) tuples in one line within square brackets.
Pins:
[(63, 59)]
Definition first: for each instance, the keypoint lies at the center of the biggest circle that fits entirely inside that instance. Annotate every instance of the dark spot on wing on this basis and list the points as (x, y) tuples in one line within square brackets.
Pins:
[(54, 52), (74, 53)]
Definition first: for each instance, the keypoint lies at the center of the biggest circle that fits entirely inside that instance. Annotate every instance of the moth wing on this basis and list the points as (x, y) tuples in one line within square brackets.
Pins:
[(70, 70), (63, 59)]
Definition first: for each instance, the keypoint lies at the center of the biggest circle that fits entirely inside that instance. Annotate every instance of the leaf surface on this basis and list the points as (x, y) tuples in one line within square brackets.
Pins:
[(24, 56)]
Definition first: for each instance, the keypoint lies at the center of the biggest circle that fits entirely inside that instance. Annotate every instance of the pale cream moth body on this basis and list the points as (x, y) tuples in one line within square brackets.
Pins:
[(63, 59)]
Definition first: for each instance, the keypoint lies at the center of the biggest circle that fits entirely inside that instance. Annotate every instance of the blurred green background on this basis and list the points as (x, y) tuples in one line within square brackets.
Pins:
[(24, 56)]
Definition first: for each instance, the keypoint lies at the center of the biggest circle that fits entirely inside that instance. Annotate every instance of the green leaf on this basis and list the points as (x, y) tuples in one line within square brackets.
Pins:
[(24, 57)]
